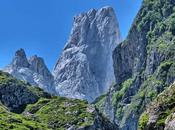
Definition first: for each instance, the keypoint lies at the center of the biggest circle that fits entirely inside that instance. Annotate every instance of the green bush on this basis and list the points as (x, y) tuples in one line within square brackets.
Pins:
[(144, 118)]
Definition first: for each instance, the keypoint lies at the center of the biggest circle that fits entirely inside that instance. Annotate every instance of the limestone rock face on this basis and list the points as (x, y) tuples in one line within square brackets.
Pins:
[(85, 68), (33, 71)]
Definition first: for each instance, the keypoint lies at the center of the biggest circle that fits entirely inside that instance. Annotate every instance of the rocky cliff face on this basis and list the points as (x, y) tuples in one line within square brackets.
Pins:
[(33, 71), (23, 106), (160, 115), (85, 69), (143, 64)]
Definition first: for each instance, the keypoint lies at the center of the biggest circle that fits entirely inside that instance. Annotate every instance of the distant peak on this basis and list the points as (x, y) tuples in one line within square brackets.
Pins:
[(35, 60), (34, 56), (20, 59), (20, 53), (38, 65)]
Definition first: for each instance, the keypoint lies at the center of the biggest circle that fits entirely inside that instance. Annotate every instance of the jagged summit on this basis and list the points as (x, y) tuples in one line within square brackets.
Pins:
[(84, 69), (20, 59), (107, 10), (38, 65), (33, 70), (92, 22)]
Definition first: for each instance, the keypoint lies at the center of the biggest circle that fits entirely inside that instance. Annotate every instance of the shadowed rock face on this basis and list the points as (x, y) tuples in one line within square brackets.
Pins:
[(143, 64), (14, 94), (33, 71), (85, 69)]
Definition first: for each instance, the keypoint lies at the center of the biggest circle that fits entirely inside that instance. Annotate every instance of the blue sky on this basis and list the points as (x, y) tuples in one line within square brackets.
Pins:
[(42, 27)]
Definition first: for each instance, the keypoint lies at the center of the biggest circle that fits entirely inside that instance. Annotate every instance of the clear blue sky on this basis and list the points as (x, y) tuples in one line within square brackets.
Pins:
[(42, 27)]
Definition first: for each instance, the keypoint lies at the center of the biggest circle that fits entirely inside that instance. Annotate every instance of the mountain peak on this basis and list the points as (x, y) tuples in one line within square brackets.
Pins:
[(35, 58), (20, 52), (38, 65), (33, 70), (85, 68), (20, 59), (100, 23)]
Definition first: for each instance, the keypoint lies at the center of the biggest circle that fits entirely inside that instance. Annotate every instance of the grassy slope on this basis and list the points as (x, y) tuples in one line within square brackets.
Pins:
[(49, 112)]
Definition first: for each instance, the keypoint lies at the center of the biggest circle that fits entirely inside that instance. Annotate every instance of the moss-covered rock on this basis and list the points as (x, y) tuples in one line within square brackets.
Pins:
[(160, 113), (15, 94)]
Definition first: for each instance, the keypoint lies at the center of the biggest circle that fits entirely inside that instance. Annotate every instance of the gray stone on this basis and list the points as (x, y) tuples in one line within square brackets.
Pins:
[(33, 71), (85, 67)]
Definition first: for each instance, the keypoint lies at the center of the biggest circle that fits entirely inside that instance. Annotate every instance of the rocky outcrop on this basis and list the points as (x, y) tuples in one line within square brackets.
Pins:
[(143, 64), (33, 71), (84, 69), (14, 94)]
